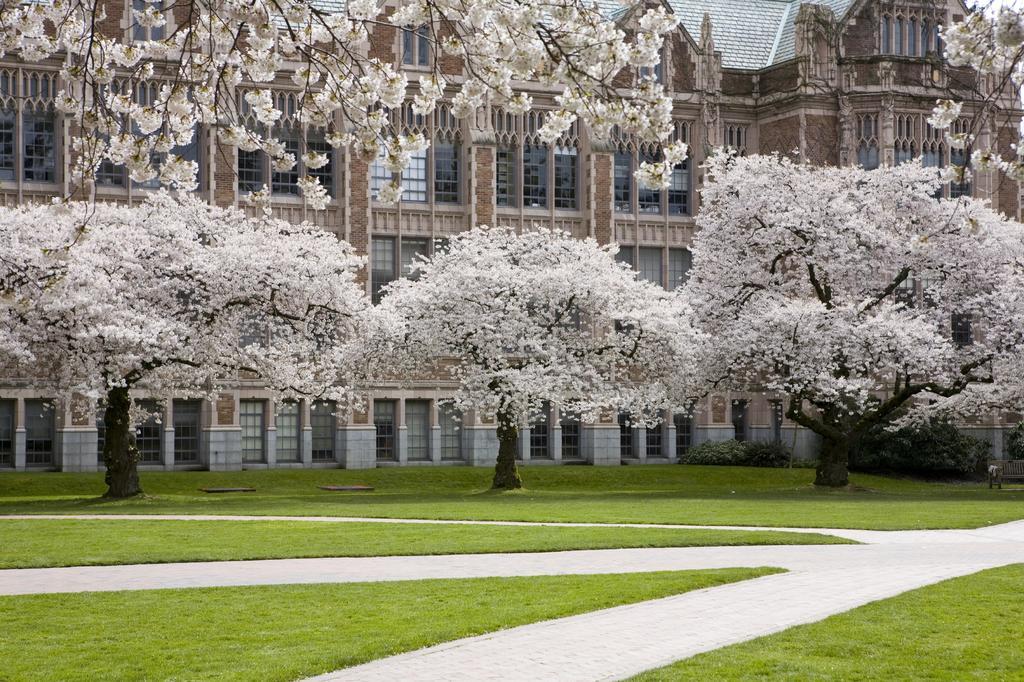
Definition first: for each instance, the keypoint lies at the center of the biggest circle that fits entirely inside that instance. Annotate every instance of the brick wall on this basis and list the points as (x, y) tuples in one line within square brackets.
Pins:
[(860, 36), (602, 165), (782, 135), (821, 139), (1007, 192), (482, 185), (358, 192)]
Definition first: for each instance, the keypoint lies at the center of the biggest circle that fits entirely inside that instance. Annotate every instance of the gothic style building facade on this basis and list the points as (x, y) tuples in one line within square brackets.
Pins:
[(833, 81)]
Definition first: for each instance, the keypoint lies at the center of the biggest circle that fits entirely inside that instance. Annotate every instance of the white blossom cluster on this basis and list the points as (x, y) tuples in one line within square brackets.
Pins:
[(96, 296), (838, 289), (535, 317), (991, 41), (206, 51)]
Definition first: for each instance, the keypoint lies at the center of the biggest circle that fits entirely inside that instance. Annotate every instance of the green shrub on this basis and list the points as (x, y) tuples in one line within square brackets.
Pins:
[(934, 448), (764, 454), (1015, 442), (734, 453)]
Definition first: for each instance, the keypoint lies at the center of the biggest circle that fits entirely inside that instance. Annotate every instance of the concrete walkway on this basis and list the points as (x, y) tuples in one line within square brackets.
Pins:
[(612, 643)]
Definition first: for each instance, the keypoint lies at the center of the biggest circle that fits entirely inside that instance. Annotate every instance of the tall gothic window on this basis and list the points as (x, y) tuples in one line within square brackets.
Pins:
[(436, 172), (631, 197), (530, 173), (867, 147)]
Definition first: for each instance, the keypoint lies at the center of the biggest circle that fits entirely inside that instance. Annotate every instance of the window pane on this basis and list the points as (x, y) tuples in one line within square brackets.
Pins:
[(321, 418), (648, 200), (625, 436), (958, 157), (384, 421), (566, 171), (740, 422), (451, 433), (886, 36), (250, 171), (251, 418), (570, 436), (411, 248), (382, 268), (149, 434), (39, 432), (40, 164), (446, 173), (650, 265), (287, 182), (417, 425), (623, 182), (423, 48), (408, 56), (535, 177), (7, 432), (539, 441), (625, 255), (679, 190), (325, 173), (654, 441), (186, 431), (414, 178), (867, 156), (379, 174), (684, 432), (679, 263), (6, 144), (505, 177), (287, 444)]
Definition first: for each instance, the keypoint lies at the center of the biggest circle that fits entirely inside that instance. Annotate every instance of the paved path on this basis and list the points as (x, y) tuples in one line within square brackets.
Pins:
[(869, 536), (612, 643)]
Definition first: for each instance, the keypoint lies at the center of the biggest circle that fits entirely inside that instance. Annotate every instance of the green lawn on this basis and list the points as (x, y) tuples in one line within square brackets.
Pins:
[(288, 632), (969, 628), (40, 543), (667, 494)]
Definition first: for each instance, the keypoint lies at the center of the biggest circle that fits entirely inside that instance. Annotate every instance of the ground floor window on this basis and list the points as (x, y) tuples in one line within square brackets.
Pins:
[(625, 436), (288, 428), (39, 432), (321, 418), (417, 429), (186, 431), (684, 432), (654, 441), (570, 436), (451, 433), (7, 408), (540, 441), (149, 434), (253, 431), (384, 421), (740, 419)]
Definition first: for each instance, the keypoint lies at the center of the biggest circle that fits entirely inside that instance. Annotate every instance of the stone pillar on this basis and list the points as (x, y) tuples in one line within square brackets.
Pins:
[(640, 443), (356, 442), (401, 433), (306, 435), (524, 442), (435, 433), (555, 434), (599, 444), (270, 432), (669, 431), (77, 436), (223, 442), (480, 441), (168, 419), (19, 435)]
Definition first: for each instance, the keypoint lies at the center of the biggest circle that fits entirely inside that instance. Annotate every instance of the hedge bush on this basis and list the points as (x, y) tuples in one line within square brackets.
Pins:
[(933, 448), (734, 453), (1015, 442)]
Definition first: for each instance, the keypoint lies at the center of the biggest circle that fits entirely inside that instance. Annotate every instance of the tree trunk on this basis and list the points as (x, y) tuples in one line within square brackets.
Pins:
[(506, 475), (120, 455), (833, 470)]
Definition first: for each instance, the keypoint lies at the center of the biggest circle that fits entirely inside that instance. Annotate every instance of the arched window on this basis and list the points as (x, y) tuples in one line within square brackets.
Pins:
[(912, 38), (926, 37), (899, 36), (938, 41), (886, 36)]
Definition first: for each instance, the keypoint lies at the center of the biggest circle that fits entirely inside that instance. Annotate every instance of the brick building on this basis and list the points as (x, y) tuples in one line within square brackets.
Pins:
[(837, 82)]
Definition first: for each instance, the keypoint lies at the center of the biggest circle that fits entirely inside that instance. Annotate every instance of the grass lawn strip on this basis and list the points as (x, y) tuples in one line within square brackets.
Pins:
[(46, 543), (290, 632), (965, 628), (672, 494)]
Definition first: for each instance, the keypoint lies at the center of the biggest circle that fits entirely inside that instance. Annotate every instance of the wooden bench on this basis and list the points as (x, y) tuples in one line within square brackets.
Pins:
[(1005, 469)]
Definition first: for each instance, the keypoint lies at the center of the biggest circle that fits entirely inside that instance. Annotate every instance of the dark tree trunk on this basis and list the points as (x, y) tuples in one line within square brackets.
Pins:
[(833, 470), (119, 452), (506, 475)]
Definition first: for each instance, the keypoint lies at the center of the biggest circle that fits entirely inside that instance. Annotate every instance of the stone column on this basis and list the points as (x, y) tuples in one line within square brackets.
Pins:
[(19, 435), (270, 432), (223, 442), (306, 434), (435, 433), (480, 440), (168, 419), (356, 442), (599, 443), (555, 433)]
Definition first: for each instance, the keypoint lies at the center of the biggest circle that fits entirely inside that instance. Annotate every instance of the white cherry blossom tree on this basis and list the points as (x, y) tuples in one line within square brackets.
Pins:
[(175, 295), (216, 59), (855, 294), (522, 319)]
